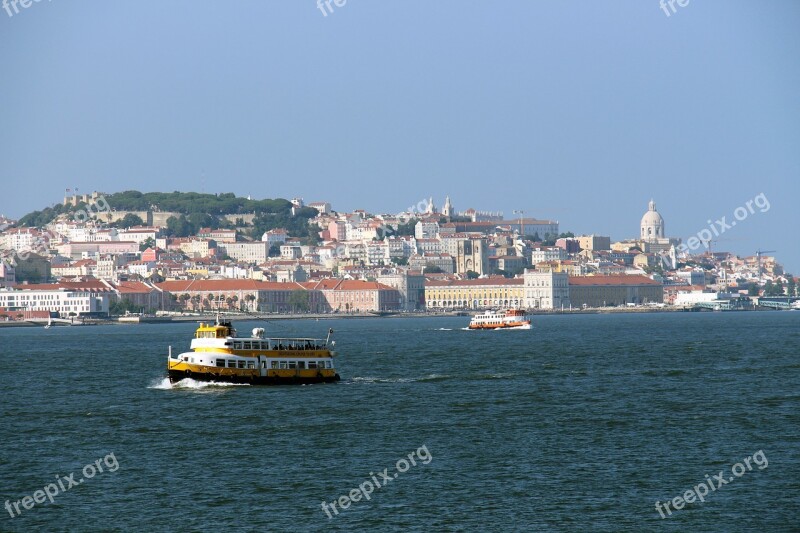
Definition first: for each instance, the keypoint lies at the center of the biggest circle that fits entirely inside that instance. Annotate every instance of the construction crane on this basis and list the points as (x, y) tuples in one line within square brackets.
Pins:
[(759, 253)]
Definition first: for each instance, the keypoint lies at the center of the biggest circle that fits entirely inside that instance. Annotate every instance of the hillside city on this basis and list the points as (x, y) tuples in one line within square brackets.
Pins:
[(96, 255)]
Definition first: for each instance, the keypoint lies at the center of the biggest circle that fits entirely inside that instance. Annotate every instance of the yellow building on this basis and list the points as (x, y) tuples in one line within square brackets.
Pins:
[(482, 293)]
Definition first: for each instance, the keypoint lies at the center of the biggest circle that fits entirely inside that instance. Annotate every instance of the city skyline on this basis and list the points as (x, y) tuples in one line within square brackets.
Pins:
[(376, 108)]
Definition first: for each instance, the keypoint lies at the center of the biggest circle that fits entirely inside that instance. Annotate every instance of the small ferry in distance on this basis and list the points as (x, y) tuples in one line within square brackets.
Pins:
[(510, 319), (218, 354)]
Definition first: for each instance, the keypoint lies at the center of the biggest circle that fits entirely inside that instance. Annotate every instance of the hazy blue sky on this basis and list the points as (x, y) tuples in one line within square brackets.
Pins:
[(574, 111)]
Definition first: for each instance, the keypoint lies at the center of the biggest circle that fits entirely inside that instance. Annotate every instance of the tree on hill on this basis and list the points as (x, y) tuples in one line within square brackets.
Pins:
[(128, 221)]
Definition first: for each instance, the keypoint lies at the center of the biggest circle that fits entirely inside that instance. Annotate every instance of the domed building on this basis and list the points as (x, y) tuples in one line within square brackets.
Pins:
[(652, 226)]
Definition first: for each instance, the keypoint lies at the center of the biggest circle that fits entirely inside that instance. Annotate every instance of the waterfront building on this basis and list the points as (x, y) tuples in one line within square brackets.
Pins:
[(614, 290), (546, 289), (480, 293), (411, 286), (73, 298)]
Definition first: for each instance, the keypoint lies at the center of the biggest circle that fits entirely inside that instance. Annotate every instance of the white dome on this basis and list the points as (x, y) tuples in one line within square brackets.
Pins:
[(652, 226)]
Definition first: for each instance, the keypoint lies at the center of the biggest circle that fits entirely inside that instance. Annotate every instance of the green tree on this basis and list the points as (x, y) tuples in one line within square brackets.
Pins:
[(180, 227), (147, 243), (406, 229), (471, 274), (432, 269), (300, 301), (121, 307), (128, 221)]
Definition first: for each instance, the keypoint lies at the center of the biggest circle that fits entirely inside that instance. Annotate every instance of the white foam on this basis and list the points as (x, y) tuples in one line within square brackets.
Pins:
[(188, 383)]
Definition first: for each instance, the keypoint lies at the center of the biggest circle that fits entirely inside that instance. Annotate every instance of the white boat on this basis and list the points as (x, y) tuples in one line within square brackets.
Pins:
[(511, 319)]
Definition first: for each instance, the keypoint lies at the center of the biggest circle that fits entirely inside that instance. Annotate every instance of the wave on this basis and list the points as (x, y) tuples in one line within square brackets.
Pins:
[(191, 384)]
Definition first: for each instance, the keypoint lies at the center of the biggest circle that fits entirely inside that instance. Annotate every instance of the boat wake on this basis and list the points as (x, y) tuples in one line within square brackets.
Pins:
[(191, 384), (370, 379)]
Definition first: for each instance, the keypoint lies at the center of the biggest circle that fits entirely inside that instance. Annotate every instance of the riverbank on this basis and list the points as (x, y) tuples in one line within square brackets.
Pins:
[(238, 317)]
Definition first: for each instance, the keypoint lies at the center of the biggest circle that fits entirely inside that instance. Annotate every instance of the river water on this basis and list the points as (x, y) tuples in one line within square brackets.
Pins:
[(582, 423)]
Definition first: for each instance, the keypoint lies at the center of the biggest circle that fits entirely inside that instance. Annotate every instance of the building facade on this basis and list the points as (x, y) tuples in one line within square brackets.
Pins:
[(546, 290), (614, 290), (481, 293)]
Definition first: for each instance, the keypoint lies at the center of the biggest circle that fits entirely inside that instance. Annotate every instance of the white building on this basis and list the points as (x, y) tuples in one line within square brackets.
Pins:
[(274, 237), (21, 239), (57, 298), (248, 252), (7, 274), (546, 290), (426, 230), (139, 234), (550, 253)]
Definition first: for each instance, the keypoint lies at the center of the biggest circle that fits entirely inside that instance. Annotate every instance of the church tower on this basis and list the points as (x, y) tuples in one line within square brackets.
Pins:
[(448, 208)]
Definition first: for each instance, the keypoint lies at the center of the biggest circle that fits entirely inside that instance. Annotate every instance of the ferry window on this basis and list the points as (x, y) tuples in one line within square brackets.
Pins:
[(251, 364), (237, 345), (231, 363), (274, 364), (312, 364), (301, 364), (246, 346), (241, 364), (328, 364), (221, 362), (263, 364), (292, 364), (284, 364)]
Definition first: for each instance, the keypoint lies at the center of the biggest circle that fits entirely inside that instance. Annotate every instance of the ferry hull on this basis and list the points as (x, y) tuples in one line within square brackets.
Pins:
[(177, 375), (509, 325)]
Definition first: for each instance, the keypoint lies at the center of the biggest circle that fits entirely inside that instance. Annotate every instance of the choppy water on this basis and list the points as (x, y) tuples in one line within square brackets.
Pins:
[(580, 424)]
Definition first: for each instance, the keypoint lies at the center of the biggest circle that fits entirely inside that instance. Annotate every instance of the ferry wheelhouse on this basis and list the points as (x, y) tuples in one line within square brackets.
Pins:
[(218, 354), (513, 318)]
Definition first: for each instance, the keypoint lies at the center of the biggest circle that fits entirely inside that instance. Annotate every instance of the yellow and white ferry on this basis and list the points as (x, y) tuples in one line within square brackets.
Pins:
[(511, 319), (218, 354)]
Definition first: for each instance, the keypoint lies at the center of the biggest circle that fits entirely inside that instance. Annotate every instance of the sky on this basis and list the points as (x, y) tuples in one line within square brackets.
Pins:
[(573, 111)]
